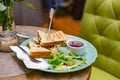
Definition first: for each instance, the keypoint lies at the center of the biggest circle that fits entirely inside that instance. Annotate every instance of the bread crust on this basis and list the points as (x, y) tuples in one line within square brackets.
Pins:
[(37, 51), (55, 38)]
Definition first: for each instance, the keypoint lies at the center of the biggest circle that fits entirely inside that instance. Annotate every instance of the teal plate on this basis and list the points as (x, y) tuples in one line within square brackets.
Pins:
[(90, 54)]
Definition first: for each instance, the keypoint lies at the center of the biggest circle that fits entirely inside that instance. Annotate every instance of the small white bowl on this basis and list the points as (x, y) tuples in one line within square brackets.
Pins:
[(76, 46)]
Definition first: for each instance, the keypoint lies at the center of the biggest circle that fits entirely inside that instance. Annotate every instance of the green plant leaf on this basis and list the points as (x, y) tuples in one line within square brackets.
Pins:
[(19, 0), (28, 4), (1, 17), (2, 7)]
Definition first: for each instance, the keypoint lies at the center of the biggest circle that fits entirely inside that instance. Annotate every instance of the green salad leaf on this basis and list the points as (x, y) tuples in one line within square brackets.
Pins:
[(65, 61)]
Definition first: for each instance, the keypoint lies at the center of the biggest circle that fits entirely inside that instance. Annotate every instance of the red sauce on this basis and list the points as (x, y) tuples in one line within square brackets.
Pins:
[(73, 44)]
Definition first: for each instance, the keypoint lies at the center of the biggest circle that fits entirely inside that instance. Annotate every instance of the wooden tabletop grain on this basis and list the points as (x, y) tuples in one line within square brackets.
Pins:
[(39, 75)]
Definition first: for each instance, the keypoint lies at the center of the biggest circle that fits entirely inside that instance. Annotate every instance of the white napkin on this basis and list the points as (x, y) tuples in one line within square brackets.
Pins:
[(28, 63)]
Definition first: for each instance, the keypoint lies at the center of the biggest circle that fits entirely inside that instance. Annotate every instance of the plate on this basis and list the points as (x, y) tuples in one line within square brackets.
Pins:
[(90, 54)]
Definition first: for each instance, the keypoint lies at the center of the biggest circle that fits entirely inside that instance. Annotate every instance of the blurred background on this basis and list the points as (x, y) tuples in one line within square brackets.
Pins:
[(68, 14)]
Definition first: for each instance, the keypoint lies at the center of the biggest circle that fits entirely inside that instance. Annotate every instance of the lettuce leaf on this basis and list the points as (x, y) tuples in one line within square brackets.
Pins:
[(65, 61)]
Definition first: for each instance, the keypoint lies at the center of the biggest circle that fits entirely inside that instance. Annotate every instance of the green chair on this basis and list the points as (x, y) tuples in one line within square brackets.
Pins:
[(101, 27)]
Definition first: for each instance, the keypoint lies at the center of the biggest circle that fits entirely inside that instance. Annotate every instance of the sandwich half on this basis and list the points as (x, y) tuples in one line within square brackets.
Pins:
[(37, 51), (47, 40)]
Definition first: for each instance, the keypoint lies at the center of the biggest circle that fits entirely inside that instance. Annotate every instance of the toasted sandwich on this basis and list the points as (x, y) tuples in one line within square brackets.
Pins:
[(37, 51), (55, 38)]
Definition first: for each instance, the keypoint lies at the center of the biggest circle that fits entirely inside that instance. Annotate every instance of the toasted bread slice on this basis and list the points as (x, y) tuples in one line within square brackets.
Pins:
[(37, 51), (55, 38)]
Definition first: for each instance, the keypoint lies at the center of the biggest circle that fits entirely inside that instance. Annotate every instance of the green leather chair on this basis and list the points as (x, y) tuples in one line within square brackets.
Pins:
[(101, 27)]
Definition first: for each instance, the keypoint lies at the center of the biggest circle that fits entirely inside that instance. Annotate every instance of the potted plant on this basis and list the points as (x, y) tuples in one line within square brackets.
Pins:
[(8, 29)]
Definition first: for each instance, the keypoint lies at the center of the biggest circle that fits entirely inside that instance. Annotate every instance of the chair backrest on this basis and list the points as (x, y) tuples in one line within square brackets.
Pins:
[(101, 27)]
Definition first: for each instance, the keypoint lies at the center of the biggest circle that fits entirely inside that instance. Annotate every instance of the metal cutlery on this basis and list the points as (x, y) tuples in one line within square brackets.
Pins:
[(23, 35)]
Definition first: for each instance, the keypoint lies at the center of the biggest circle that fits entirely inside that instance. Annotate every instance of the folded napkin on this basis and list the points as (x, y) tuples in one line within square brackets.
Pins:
[(28, 63)]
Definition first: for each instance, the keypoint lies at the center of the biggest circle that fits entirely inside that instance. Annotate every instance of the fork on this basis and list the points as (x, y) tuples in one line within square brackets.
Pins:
[(31, 58)]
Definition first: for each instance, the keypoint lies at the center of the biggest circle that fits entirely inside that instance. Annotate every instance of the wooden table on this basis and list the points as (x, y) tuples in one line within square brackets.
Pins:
[(39, 75)]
